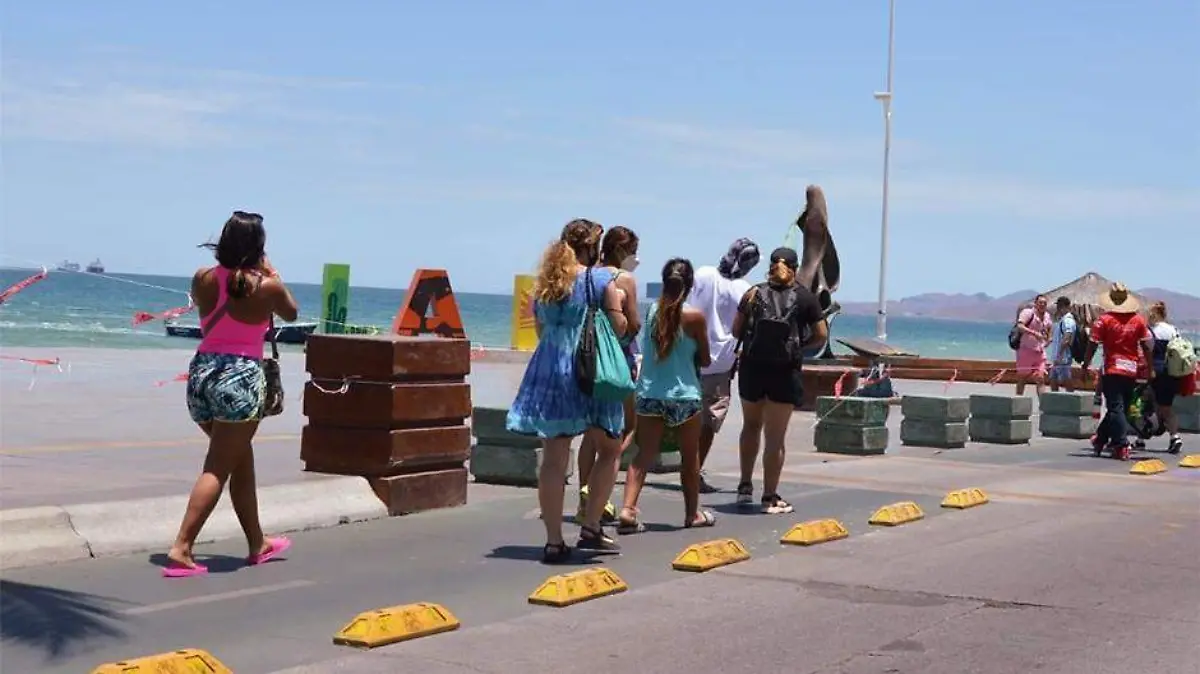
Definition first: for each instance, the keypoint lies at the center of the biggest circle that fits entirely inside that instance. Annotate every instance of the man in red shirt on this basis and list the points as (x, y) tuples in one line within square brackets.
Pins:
[(1127, 343)]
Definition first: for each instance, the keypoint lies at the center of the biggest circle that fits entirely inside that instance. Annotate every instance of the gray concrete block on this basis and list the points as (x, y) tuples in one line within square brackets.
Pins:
[(838, 438), (936, 408), (1066, 404), (1000, 431), (1072, 427), (941, 434), (1188, 409), (516, 466), (488, 427), (1001, 406), (853, 411)]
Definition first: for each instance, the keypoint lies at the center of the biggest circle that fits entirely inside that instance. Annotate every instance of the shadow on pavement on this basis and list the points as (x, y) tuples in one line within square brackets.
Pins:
[(55, 621), (215, 563), (533, 553)]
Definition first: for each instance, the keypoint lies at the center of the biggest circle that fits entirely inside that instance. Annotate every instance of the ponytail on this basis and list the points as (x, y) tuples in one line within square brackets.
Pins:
[(556, 274), (238, 285), (668, 316), (780, 274)]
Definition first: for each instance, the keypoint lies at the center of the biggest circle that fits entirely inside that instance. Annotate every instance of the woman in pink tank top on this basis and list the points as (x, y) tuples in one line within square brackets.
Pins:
[(225, 388)]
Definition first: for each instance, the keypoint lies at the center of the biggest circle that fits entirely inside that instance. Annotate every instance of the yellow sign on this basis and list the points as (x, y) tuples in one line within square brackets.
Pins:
[(524, 331)]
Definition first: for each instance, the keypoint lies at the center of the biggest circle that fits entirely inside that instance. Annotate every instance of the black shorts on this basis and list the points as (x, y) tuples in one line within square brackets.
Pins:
[(778, 385), (1165, 389)]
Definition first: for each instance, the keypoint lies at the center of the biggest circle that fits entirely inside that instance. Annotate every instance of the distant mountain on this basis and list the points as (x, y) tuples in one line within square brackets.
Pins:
[(1184, 309)]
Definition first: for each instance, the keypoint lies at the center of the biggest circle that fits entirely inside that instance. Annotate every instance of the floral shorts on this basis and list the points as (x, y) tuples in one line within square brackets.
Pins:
[(673, 412), (225, 387)]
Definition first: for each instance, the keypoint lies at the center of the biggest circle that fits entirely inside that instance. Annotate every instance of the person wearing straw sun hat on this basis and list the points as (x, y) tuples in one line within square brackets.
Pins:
[(1127, 340)]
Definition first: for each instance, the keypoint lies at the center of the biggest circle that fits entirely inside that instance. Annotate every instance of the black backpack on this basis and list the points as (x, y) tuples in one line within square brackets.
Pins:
[(773, 337), (1079, 342)]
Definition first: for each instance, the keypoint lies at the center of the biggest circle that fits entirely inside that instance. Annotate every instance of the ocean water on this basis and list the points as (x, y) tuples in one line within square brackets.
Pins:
[(72, 309)]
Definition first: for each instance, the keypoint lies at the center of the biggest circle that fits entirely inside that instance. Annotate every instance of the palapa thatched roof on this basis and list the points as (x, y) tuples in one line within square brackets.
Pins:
[(1084, 293)]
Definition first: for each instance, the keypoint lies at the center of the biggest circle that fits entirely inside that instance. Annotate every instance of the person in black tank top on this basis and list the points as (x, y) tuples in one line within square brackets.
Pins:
[(776, 322)]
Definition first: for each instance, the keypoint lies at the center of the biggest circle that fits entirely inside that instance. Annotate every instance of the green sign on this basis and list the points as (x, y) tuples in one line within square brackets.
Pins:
[(335, 298)]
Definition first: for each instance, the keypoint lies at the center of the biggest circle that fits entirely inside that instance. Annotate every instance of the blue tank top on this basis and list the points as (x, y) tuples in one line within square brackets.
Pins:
[(674, 378)]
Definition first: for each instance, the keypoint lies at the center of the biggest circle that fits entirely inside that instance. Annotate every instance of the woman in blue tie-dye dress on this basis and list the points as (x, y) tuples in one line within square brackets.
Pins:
[(550, 405)]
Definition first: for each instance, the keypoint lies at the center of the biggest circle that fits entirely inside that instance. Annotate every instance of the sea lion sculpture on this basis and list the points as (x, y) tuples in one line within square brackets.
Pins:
[(820, 270)]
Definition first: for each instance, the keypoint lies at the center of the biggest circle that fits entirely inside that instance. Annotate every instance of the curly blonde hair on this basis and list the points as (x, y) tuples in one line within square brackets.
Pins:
[(556, 274)]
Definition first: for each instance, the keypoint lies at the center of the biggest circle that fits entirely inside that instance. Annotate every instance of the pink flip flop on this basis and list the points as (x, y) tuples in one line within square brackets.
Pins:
[(176, 570), (278, 547)]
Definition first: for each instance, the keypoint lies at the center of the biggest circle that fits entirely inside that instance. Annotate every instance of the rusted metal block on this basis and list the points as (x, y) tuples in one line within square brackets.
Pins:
[(387, 357), (820, 381), (378, 451), (366, 405), (417, 492)]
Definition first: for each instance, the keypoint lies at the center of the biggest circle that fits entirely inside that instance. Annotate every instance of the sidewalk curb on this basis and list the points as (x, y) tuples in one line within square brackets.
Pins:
[(53, 534)]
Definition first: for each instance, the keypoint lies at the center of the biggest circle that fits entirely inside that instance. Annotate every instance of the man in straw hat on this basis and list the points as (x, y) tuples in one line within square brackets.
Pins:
[(1127, 345)]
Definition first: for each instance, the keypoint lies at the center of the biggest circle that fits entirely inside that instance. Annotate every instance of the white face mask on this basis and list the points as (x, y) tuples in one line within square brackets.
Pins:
[(630, 263)]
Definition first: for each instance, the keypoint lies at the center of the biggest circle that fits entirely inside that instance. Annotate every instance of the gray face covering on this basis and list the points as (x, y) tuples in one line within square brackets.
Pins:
[(741, 258)]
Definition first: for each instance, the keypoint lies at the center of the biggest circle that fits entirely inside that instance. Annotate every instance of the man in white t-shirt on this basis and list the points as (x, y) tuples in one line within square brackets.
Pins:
[(716, 291)]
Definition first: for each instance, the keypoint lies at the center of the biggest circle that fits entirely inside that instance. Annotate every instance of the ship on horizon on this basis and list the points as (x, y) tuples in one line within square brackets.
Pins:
[(67, 265), (96, 267)]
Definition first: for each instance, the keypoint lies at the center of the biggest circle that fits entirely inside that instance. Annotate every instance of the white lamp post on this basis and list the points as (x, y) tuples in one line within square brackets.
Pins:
[(885, 97)]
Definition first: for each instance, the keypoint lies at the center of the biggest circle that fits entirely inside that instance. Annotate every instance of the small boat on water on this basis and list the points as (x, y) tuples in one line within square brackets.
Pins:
[(291, 333), (67, 265), (96, 267)]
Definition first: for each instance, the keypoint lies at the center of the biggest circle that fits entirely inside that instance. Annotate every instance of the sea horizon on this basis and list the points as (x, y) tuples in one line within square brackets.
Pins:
[(80, 309)]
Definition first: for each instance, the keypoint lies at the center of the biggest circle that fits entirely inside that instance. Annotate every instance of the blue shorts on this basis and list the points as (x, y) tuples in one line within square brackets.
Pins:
[(1060, 373), (224, 387), (673, 412)]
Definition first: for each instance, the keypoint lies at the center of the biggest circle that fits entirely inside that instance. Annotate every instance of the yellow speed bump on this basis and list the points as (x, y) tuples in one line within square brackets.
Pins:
[(896, 514), (709, 555), (962, 499), (1190, 461), (394, 624), (186, 661), (1148, 467), (572, 588), (814, 532)]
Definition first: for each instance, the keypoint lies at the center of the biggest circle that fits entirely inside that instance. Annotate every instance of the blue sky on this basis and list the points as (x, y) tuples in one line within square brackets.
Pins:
[(1034, 141)]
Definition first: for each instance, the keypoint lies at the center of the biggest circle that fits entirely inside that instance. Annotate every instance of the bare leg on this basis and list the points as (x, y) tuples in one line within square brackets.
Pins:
[(689, 475), (631, 424), (243, 493), (552, 477), (603, 476), (1170, 419), (649, 438), (752, 426), (706, 440), (227, 447), (775, 424)]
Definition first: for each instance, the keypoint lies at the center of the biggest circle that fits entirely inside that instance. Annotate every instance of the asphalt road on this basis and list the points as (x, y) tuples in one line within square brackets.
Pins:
[(1075, 566)]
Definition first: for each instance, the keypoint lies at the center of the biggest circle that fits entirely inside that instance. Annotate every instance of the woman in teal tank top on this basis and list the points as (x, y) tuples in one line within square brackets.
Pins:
[(674, 348)]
